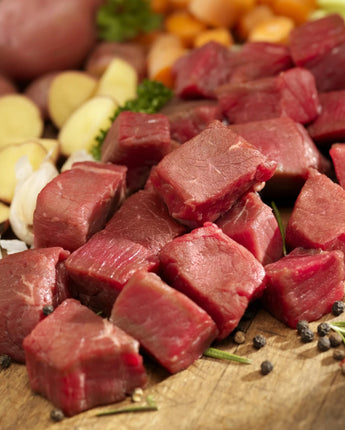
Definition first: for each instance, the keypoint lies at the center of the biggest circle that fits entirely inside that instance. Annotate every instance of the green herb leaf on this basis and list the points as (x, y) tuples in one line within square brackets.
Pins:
[(280, 225), (151, 97), (149, 406), (223, 355), (120, 20)]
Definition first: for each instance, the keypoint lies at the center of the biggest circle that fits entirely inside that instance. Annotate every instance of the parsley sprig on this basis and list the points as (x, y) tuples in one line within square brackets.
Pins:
[(121, 20)]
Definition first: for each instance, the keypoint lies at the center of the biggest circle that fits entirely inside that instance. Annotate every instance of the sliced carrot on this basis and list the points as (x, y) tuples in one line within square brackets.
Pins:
[(276, 30), (298, 10), (178, 4), (221, 35), (159, 6), (218, 13), (162, 54), (251, 19), (184, 25), (244, 6)]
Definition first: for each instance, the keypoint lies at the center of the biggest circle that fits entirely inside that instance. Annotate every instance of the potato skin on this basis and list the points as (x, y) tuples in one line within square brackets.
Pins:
[(39, 36)]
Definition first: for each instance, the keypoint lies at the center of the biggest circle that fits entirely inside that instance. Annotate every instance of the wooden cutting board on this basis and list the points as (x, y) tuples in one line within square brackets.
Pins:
[(304, 391)]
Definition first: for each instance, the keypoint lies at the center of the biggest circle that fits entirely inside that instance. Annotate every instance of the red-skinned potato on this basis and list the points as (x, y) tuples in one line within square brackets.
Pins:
[(6, 86), (38, 91), (39, 36)]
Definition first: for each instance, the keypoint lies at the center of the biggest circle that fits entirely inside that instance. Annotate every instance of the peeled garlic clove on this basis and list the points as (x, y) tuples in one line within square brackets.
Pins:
[(24, 201), (77, 156), (11, 246)]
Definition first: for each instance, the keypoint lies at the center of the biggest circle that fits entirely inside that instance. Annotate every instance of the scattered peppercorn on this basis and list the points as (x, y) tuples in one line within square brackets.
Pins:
[(259, 341), (307, 335), (335, 339), (302, 325), (47, 310), (338, 308), (338, 354), (266, 367), (323, 329), (5, 361), (137, 395), (57, 415), (240, 337), (323, 344)]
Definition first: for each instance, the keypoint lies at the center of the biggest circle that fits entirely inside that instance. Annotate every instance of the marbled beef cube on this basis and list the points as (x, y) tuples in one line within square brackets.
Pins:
[(170, 326), (77, 203), (29, 281), (304, 285), (329, 126), (79, 360), (202, 70), (291, 93), (252, 223), (130, 241), (289, 144), (206, 175), (319, 46), (318, 216), (187, 118), (137, 139), (337, 153), (217, 273)]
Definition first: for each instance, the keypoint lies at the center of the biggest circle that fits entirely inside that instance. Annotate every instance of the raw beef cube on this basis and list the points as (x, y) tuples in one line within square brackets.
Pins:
[(257, 60), (170, 326), (137, 139), (29, 280), (217, 273), (319, 46), (101, 267), (318, 216), (205, 176), (252, 224), (292, 93), (79, 360), (304, 285), (144, 218), (189, 118), (203, 69), (77, 203), (289, 144), (329, 126), (337, 153)]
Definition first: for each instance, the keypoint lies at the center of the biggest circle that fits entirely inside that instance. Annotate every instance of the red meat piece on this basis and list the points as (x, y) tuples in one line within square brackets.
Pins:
[(252, 223), (319, 46), (216, 272), (79, 360), (329, 126), (170, 326), (203, 69), (337, 153), (206, 175), (137, 139), (77, 203), (318, 216), (29, 280), (304, 285), (292, 93)]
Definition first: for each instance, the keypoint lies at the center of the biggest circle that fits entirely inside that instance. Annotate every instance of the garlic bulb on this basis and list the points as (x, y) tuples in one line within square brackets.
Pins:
[(29, 184)]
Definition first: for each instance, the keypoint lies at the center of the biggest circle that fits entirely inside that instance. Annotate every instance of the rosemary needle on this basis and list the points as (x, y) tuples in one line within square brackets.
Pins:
[(149, 406), (223, 355)]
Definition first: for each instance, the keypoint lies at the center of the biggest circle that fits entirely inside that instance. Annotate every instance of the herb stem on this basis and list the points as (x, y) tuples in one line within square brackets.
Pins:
[(223, 355), (150, 406)]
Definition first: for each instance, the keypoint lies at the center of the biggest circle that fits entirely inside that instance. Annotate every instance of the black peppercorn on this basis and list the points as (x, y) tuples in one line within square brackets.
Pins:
[(5, 361), (335, 339), (57, 415), (302, 325), (323, 344), (47, 310), (266, 367), (338, 308), (339, 355), (259, 341), (323, 329), (307, 335)]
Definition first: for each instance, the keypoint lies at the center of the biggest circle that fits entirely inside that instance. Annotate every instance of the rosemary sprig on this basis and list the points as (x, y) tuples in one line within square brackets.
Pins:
[(280, 225), (339, 327), (223, 355), (150, 405)]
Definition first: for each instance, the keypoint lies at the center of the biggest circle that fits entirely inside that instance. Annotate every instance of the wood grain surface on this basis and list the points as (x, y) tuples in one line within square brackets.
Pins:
[(304, 391)]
